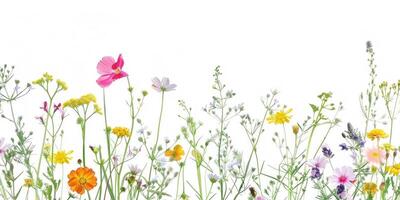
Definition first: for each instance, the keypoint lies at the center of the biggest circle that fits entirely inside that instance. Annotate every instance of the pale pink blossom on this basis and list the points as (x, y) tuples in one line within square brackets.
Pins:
[(374, 155), (3, 147)]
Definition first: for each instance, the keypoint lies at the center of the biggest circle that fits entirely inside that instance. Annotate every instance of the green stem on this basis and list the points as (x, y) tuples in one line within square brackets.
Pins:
[(153, 151)]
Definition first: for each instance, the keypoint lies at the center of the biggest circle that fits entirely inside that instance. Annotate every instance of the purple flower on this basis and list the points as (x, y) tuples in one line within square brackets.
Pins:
[(260, 198), (44, 107), (163, 85), (3, 147), (327, 152), (343, 146), (315, 173), (340, 191)]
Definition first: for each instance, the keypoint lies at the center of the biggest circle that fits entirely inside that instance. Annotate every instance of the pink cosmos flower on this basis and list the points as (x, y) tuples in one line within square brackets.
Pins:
[(374, 155), (163, 85), (110, 70), (343, 176), (3, 147)]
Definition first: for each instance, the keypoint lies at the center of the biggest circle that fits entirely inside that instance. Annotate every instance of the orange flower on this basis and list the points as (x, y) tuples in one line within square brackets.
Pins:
[(82, 179), (176, 153)]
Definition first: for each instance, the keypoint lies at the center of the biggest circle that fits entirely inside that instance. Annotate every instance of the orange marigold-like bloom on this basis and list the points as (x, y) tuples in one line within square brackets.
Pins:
[(176, 153), (82, 179)]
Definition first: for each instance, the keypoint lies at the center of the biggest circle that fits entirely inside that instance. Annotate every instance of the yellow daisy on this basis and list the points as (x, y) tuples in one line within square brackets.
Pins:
[(61, 157), (377, 134), (280, 117)]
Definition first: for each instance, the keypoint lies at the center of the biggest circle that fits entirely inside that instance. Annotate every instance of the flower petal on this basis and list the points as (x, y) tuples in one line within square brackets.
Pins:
[(105, 65), (119, 63), (105, 80)]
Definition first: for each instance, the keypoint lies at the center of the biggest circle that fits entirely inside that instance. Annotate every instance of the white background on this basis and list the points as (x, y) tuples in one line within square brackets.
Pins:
[(300, 48)]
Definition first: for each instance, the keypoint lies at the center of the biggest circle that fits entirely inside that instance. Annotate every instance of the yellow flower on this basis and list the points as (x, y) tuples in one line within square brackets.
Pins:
[(388, 147), (28, 182), (47, 76), (295, 129), (377, 134), (393, 170), (97, 109), (370, 188), (62, 157), (280, 117), (121, 131), (38, 81), (62, 84), (176, 153), (83, 100)]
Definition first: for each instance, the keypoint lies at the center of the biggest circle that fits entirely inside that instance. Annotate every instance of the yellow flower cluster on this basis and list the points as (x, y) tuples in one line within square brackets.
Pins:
[(121, 131), (370, 188), (62, 84), (83, 100), (61, 157), (280, 117), (394, 169), (46, 77), (388, 147), (377, 134)]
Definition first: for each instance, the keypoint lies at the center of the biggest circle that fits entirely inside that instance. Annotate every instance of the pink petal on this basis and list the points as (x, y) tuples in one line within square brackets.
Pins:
[(105, 80), (119, 63), (105, 65), (121, 74), (156, 84)]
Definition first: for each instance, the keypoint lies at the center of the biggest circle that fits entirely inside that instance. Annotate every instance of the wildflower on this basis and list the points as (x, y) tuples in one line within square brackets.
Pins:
[(121, 131), (394, 170), (110, 70), (295, 129), (82, 179), (341, 191), (388, 147), (97, 109), (260, 198), (83, 100), (315, 173), (134, 169), (61, 157), (374, 155), (213, 178), (44, 107), (343, 176), (47, 77), (327, 152), (280, 117), (3, 147), (377, 134), (62, 84), (163, 85), (318, 162), (370, 188), (343, 146), (28, 182), (374, 169), (176, 153)]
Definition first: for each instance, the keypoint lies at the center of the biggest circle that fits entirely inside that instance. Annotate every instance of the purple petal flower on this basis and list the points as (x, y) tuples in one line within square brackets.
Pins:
[(327, 152), (163, 85)]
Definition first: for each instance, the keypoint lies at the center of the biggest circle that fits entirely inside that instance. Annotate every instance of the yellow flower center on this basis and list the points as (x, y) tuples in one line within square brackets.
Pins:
[(82, 180)]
